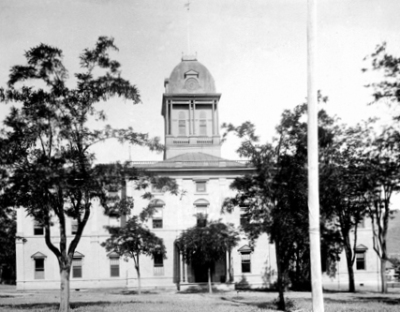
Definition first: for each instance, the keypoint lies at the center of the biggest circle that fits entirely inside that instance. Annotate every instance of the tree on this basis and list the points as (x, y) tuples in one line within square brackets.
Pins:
[(133, 240), (275, 197), (342, 190), (205, 245), (382, 180), (46, 140), (387, 65)]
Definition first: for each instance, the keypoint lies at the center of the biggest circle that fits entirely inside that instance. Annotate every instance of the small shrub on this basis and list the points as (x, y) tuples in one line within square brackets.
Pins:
[(290, 304)]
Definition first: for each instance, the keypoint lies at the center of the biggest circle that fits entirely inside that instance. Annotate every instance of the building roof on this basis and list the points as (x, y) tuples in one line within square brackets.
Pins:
[(190, 77), (193, 160)]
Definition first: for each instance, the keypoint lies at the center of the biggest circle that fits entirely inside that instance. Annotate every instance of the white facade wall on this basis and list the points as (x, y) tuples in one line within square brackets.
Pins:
[(179, 214), (365, 279)]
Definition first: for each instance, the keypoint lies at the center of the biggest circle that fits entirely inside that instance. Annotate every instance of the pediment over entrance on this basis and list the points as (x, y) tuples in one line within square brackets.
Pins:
[(361, 247), (38, 255), (245, 248)]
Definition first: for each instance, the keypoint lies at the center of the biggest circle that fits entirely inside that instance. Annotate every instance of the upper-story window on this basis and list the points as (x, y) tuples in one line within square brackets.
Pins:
[(38, 229), (201, 186), (243, 217), (74, 226), (157, 217), (182, 124), (201, 207)]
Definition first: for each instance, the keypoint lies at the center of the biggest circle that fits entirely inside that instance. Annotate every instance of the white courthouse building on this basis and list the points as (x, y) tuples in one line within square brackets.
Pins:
[(193, 157)]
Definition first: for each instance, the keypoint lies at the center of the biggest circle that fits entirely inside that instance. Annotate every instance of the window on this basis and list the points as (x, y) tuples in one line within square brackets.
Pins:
[(114, 265), (37, 228), (74, 226), (39, 268), (246, 262), (157, 217), (203, 124), (158, 265), (201, 186), (201, 207), (203, 127), (182, 124), (360, 260), (243, 217), (361, 224), (77, 267)]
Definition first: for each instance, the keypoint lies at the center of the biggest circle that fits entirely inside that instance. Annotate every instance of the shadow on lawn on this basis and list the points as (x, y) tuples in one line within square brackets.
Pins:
[(355, 300), (261, 305), (134, 292), (387, 300), (55, 305)]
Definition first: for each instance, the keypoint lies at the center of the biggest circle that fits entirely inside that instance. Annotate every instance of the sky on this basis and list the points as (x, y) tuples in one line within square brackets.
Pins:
[(255, 50)]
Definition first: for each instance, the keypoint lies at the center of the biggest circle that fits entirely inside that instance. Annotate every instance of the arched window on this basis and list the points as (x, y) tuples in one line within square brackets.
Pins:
[(201, 207), (157, 217), (39, 259), (77, 265), (245, 252), (114, 264), (182, 123), (203, 124)]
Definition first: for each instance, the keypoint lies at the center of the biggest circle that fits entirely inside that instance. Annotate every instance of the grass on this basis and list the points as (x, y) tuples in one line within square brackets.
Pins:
[(159, 301)]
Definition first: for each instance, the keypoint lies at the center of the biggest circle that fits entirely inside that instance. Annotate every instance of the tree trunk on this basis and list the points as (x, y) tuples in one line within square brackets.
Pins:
[(383, 276), (350, 269), (280, 281), (138, 278), (64, 291), (209, 281)]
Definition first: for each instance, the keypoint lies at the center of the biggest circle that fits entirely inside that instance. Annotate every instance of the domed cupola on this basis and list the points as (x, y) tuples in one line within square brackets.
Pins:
[(190, 76), (190, 110)]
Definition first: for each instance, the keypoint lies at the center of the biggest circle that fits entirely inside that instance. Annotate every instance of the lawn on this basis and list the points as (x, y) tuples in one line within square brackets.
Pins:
[(120, 300)]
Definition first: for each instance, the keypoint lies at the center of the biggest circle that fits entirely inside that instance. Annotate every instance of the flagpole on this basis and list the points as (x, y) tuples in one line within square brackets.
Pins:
[(187, 5), (313, 174)]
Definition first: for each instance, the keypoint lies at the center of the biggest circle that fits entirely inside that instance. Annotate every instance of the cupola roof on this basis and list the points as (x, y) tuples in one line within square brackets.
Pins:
[(190, 77)]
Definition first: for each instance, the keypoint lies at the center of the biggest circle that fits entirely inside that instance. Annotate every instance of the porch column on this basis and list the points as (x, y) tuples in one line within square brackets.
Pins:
[(190, 118), (183, 274), (213, 118), (194, 117), (227, 267), (217, 116)]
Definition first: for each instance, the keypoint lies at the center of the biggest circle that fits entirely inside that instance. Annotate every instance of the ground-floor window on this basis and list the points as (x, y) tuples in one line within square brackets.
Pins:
[(246, 262), (77, 267), (39, 268), (114, 266), (360, 260), (158, 265)]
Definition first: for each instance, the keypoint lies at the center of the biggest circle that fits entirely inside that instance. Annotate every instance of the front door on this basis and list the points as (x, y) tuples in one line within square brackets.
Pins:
[(201, 274)]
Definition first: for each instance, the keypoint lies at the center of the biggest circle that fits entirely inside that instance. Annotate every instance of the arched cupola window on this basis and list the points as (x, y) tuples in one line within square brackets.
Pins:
[(203, 124), (182, 123)]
